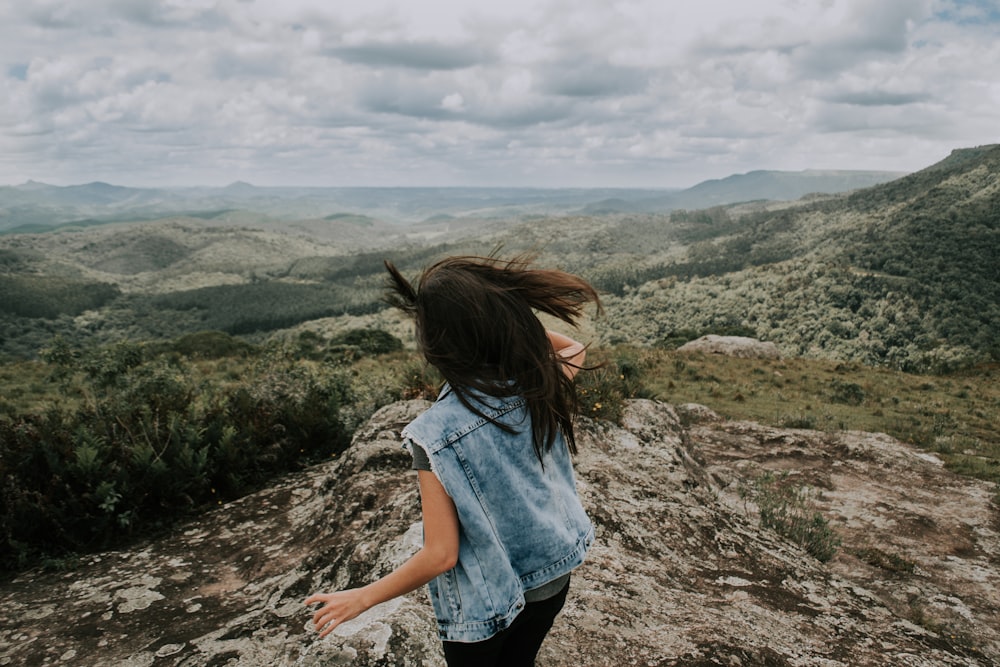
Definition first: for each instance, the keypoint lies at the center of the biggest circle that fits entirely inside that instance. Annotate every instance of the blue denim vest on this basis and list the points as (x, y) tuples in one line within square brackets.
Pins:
[(521, 523)]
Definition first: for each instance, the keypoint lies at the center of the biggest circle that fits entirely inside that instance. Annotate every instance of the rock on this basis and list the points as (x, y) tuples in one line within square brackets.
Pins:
[(681, 573), (733, 346)]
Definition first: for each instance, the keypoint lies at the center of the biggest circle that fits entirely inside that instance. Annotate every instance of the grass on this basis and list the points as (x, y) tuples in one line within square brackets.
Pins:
[(951, 415), (25, 387), (890, 562)]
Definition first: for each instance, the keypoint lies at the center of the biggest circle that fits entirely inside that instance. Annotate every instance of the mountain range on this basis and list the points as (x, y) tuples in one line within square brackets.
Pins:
[(34, 206)]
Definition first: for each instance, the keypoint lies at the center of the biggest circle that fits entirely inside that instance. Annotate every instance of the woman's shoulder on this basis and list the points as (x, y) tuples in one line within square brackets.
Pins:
[(450, 417)]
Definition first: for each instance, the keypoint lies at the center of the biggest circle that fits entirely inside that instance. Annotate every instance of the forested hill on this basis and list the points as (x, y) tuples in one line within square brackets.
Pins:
[(942, 243), (904, 273)]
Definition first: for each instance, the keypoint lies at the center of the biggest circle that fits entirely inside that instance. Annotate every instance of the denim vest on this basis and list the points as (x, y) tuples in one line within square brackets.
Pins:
[(521, 524)]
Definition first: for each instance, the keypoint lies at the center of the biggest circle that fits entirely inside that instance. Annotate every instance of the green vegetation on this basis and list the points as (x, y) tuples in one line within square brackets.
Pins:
[(612, 377), (785, 508), (889, 562), (902, 275), (130, 439), (952, 415), (265, 306), (885, 302), (34, 308), (34, 296), (100, 445)]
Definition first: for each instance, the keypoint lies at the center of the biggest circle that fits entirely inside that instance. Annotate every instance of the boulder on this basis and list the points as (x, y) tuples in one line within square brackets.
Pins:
[(733, 346), (681, 572)]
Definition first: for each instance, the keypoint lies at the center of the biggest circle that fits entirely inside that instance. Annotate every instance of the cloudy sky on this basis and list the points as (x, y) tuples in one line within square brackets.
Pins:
[(644, 93)]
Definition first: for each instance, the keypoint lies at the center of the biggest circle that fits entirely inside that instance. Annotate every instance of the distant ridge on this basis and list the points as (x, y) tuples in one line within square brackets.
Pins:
[(237, 187), (962, 156), (752, 186), (29, 186), (783, 185), (38, 205)]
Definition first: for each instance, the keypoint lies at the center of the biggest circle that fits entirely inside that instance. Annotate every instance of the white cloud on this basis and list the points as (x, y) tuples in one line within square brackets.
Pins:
[(635, 92), (453, 102)]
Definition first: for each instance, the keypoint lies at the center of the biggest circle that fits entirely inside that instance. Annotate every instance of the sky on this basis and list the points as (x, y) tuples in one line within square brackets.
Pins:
[(539, 93)]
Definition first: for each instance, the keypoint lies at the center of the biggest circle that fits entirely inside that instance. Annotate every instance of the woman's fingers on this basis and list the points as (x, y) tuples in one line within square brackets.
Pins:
[(337, 608), (328, 620), (330, 628), (324, 616)]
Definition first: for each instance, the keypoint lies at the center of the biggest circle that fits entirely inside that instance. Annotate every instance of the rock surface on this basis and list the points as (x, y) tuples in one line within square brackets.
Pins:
[(681, 573), (732, 346)]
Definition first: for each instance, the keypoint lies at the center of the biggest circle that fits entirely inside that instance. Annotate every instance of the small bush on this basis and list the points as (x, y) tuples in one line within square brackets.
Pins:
[(678, 337), (848, 393), (603, 389), (784, 508), (370, 341), (418, 379), (211, 345), (798, 421), (886, 561)]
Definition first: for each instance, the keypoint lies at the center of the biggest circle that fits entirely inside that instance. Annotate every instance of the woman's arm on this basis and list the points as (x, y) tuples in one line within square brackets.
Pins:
[(439, 554), (569, 350)]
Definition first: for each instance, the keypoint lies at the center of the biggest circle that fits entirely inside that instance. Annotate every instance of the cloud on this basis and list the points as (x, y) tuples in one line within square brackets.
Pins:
[(102, 14), (873, 98), (250, 61), (413, 55), (867, 31), (589, 77), (541, 92)]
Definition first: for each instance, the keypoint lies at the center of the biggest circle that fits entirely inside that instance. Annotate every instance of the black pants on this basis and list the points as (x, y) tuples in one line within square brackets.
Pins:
[(517, 645)]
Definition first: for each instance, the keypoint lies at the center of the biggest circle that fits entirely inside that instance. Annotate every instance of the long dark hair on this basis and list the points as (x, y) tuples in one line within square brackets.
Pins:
[(475, 323)]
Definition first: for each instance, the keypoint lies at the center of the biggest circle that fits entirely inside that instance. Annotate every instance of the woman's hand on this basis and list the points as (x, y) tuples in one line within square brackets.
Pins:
[(337, 608), (439, 553)]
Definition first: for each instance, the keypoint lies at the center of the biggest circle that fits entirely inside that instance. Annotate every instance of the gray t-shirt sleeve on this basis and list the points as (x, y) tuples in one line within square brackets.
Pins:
[(420, 460)]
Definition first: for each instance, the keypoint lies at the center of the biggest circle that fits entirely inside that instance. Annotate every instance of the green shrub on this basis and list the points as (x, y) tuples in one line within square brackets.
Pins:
[(151, 444), (678, 337), (210, 345), (370, 341), (848, 393), (887, 561), (603, 387), (784, 507), (798, 421), (418, 379)]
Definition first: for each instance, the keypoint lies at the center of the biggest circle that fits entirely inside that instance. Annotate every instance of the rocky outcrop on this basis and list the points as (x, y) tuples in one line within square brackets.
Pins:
[(681, 573), (733, 346)]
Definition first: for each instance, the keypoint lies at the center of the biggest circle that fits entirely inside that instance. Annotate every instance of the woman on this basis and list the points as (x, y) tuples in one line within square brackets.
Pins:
[(503, 525)]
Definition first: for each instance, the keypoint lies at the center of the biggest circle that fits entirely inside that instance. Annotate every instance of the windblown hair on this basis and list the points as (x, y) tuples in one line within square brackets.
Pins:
[(475, 323)]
